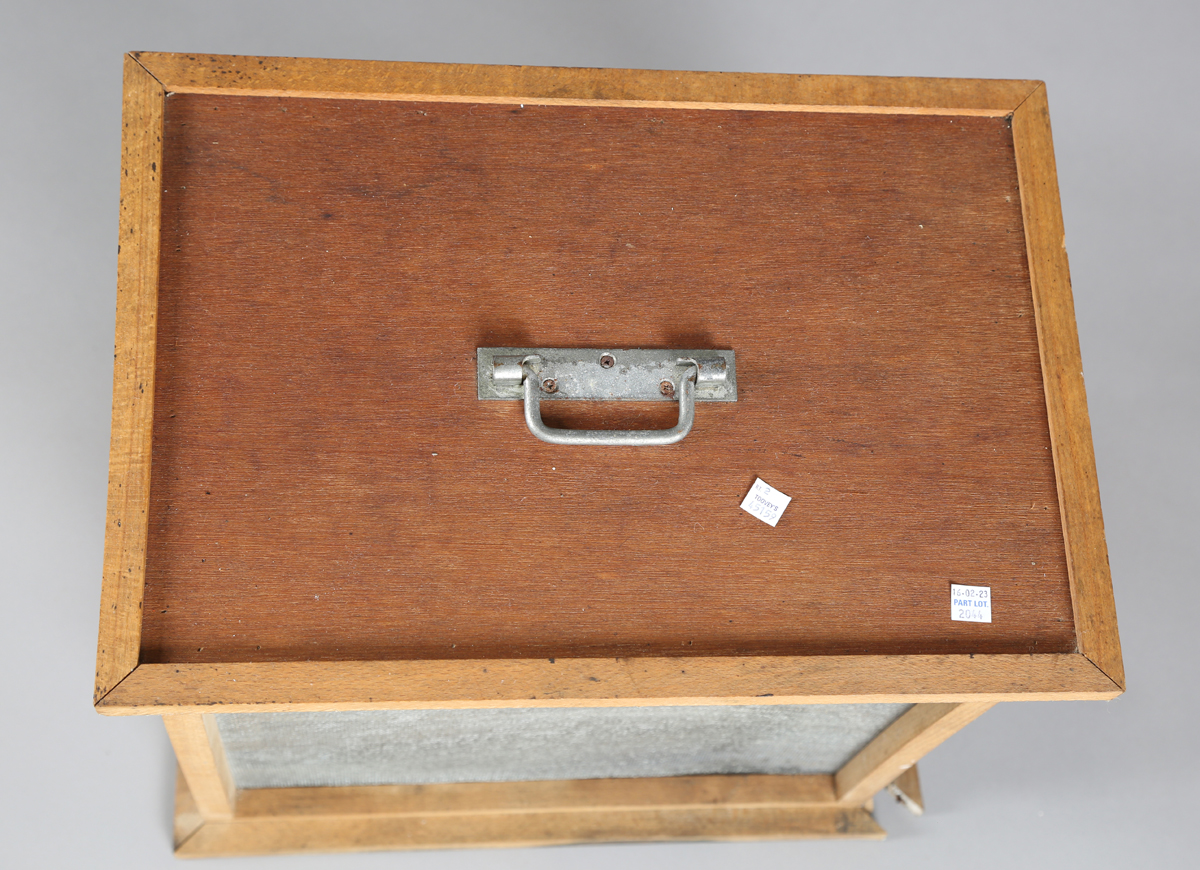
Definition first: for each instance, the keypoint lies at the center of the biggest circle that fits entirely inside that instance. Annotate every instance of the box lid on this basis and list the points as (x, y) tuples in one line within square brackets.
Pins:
[(326, 489)]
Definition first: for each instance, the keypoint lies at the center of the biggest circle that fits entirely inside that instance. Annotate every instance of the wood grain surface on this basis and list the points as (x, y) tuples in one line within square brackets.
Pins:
[(119, 637), (328, 487), (906, 789), (283, 835), (900, 746), (458, 683), (580, 795), (521, 813), (306, 77), (188, 818), (1066, 399), (201, 758)]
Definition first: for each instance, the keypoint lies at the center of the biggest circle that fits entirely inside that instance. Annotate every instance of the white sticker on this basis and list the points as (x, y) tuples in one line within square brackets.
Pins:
[(970, 603), (765, 502)]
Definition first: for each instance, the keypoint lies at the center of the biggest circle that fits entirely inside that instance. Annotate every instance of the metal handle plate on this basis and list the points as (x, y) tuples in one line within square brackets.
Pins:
[(557, 374)]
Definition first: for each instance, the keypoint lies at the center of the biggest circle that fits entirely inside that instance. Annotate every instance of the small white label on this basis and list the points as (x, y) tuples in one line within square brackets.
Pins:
[(765, 502), (970, 603)]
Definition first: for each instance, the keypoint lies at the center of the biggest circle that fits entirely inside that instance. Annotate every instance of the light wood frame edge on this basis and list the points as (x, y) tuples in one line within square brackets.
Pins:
[(201, 757), (900, 746), (478, 83), (291, 835), (581, 795), (155, 689), (1066, 399), (119, 639), (150, 77)]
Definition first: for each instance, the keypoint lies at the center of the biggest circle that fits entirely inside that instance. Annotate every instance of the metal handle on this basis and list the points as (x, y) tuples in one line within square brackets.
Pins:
[(543, 374), (612, 437)]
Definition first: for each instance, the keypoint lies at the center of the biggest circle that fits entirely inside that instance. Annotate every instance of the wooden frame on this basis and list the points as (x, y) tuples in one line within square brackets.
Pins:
[(381, 817), (213, 818), (950, 690), (123, 686)]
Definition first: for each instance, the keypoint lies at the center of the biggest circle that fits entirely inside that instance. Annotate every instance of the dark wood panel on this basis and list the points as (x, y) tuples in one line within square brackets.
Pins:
[(326, 485)]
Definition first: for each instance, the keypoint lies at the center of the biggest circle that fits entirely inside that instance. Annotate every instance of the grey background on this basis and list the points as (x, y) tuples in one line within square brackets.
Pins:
[(1066, 784)]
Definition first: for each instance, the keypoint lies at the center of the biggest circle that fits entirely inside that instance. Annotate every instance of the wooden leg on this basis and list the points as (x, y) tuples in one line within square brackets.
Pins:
[(907, 790), (201, 759), (187, 818), (900, 746)]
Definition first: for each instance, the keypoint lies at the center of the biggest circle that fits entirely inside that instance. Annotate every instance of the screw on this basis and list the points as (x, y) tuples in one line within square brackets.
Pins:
[(549, 385), (666, 388), (607, 361)]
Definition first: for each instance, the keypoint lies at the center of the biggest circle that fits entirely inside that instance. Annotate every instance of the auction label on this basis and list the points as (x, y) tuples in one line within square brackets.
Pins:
[(970, 603), (765, 502)]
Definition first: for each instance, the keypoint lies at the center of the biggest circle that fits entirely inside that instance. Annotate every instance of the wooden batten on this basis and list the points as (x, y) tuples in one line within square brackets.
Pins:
[(133, 380), (201, 757), (708, 824), (581, 795), (906, 788), (478, 83), (1066, 399), (478, 815), (900, 746), (188, 818), (319, 686)]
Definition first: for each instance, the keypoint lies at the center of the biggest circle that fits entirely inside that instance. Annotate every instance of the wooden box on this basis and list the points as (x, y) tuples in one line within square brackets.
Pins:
[(313, 515)]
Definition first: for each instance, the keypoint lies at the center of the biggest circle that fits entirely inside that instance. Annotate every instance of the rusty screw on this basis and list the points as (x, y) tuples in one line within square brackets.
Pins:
[(607, 361), (549, 385), (666, 388)]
